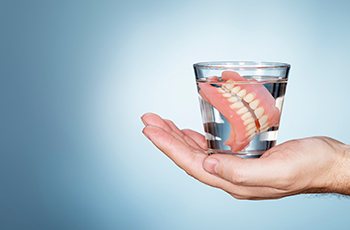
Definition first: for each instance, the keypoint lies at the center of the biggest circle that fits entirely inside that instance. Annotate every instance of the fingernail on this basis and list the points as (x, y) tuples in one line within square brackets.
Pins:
[(143, 120), (210, 164)]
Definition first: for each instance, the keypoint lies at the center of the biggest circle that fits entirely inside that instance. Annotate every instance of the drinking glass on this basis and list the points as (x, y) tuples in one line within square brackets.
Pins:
[(241, 105)]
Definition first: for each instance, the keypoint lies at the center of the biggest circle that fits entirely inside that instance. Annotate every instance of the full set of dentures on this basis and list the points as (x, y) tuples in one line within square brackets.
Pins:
[(247, 105)]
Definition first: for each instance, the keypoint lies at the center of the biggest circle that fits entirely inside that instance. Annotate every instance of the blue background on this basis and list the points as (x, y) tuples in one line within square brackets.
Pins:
[(77, 75)]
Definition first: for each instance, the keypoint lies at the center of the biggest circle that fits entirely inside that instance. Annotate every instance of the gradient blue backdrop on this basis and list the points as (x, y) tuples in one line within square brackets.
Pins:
[(77, 75)]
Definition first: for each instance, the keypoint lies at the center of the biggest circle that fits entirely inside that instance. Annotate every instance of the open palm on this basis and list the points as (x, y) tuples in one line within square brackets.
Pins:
[(297, 166)]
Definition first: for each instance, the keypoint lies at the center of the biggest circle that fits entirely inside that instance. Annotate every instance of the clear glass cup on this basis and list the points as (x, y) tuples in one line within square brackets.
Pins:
[(241, 105)]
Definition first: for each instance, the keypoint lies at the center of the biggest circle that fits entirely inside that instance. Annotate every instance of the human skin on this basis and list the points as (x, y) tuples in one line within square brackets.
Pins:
[(309, 165)]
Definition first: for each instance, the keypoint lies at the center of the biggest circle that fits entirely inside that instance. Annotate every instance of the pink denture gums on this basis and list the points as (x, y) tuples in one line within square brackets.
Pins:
[(246, 104)]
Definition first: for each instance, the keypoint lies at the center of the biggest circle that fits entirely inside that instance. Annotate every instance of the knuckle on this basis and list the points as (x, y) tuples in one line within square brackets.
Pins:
[(236, 177), (290, 142), (169, 121), (231, 173)]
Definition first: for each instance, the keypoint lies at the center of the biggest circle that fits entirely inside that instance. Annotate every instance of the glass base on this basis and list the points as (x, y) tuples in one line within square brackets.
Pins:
[(243, 154)]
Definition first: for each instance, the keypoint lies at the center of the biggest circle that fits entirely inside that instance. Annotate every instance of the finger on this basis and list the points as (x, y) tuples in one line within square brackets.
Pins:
[(155, 120), (183, 156), (174, 127), (198, 140), (256, 193), (197, 137), (180, 153), (248, 172), (188, 140), (257, 196)]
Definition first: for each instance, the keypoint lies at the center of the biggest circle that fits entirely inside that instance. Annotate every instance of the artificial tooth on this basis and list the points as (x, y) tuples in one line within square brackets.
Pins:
[(263, 120), (235, 90), (250, 132), (249, 126), (254, 104), (259, 112), (228, 86), (249, 98), (237, 105), (264, 127), (226, 95), (242, 110), (250, 120), (221, 90), (246, 116), (232, 99), (242, 93)]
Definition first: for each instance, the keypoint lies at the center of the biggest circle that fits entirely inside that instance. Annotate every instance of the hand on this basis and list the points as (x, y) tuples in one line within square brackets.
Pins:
[(310, 165)]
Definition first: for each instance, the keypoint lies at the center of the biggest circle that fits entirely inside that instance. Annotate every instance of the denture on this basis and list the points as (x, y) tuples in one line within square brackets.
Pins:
[(248, 107)]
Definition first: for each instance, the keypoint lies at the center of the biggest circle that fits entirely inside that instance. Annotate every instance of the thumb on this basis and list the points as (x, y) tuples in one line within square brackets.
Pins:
[(250, 172)]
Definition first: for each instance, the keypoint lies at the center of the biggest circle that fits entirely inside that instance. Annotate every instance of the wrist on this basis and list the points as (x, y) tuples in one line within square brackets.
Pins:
[(341, 171)]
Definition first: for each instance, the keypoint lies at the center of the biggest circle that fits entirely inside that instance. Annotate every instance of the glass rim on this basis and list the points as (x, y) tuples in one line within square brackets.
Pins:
[(241, 65)]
